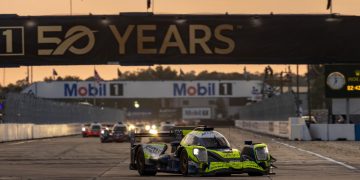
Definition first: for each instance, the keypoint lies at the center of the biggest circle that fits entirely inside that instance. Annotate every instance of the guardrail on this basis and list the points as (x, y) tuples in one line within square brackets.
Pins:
[(14, 132)]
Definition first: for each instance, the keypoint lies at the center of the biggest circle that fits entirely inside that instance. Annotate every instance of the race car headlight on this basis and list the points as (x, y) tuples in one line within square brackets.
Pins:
[(200, 154), (153, 127), (147, 127), (262, 153), (83, 129), (131, 127), (153, 131), (102, 131), (196, 152)]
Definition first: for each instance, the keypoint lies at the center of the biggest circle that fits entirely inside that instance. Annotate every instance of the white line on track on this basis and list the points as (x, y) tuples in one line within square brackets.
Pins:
[(22, 142), (318, 155)]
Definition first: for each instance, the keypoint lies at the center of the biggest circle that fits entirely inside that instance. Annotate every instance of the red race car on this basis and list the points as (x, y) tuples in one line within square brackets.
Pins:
[(93, 130)]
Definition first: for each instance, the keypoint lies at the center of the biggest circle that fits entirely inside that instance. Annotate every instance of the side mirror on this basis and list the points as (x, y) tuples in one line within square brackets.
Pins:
[(248, 142)]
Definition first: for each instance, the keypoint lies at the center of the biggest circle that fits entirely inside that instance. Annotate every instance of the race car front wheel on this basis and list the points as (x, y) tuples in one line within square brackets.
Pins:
[(140, 162), (184, 163)]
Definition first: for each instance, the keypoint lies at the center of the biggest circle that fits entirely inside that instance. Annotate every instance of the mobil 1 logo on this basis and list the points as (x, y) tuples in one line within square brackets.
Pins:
[(11, 40), (116, 89), (225, 89)]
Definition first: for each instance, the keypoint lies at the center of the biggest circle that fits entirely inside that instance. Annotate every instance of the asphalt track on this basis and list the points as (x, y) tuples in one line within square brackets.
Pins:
[(86, 158)]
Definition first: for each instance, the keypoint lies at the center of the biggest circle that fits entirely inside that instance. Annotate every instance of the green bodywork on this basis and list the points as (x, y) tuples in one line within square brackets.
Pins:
[(231, 158), (234, 157), (185, 132), (234, 161)]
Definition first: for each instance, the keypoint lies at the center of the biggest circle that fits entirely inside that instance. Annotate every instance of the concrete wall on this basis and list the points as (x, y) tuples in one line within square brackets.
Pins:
[(332, 132), (299, 132), (13, 132), (274, 128)]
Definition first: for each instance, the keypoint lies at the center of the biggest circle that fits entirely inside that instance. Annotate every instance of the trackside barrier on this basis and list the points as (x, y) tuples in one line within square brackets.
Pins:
[(299, 132), (281, 129), (13, 132), (298, 129), (274, 128), (333, 132), (319, 132), (342, 132)]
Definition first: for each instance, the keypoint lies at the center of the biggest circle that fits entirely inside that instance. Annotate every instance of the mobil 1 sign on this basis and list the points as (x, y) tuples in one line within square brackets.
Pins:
[(116, 89), (142, 89), (200, 89), (342, 81)]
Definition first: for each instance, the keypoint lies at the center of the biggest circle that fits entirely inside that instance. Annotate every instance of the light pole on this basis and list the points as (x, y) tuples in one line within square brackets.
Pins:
[(153, 6), (309, 91), (297, 91), (4, 73), (70, 7)]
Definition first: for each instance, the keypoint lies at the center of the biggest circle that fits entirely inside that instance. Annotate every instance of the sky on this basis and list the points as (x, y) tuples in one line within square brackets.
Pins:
[(107, 72)]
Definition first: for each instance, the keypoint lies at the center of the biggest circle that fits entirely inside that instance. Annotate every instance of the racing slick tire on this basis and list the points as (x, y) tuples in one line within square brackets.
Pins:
[(140, 162), (184, 163)]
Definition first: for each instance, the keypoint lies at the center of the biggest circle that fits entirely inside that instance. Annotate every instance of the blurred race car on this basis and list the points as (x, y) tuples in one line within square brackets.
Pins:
[(140, 128), (93, 130), (165, 127), (118, 133), (201, 151)]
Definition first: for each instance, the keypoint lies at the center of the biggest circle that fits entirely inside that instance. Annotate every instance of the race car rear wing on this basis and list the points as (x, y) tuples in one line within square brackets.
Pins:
[(177, 132), (134, 135), (86, 124), (107, 125)]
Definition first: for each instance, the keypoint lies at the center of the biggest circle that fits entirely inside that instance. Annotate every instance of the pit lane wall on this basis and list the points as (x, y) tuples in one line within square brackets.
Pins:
[(15, 132), (274, 128), (296, 129)]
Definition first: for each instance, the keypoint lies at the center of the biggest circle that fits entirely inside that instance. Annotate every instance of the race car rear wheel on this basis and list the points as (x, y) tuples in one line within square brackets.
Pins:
[(140, 162), (184, 163)]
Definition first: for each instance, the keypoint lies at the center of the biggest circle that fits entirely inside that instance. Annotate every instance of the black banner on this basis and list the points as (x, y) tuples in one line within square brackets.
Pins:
[(342, 81), (145, 39)]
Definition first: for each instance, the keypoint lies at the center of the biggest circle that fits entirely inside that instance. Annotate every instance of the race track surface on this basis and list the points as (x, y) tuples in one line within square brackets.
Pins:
[(86, 158)]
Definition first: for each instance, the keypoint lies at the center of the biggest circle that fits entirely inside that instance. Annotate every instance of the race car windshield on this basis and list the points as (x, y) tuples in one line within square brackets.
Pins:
[(95, 127), (214, 142), (120, 128)]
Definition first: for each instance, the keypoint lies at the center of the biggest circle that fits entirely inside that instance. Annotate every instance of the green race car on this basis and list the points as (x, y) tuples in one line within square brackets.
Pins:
[(200, 151)]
